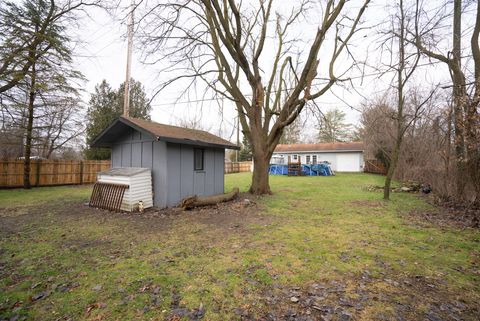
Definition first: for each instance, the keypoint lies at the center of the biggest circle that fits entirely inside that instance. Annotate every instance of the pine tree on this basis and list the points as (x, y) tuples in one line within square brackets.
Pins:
[(139, 103), (106, 105), (103, 109), (333, 128), (246, 151)]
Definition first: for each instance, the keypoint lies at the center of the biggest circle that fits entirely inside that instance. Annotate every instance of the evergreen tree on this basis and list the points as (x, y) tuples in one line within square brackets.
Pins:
[(139, 103), (333, 128), (102, 110), (246, 151), (106, 105)]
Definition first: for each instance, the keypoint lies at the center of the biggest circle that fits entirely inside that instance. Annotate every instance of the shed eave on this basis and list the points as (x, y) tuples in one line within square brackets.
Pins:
[(197, 143), (101, 141)]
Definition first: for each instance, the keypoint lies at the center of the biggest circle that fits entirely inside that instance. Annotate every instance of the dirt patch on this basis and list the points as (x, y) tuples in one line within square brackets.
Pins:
[(364, 297), (82, 243), (235, 214), (225, 217), (368, 203), (447, 214), (442, 218)]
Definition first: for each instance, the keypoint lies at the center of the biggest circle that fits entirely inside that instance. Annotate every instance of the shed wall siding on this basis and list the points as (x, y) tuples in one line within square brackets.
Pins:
[(186, 171), (172, 167), (219, 175), (183, 180), (159, 174), (135, 149), (173, 171)]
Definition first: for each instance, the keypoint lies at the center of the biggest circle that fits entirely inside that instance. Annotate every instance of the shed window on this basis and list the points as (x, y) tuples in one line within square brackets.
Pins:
[(295, 157), (314, 159), (307, 159), (198, 154)]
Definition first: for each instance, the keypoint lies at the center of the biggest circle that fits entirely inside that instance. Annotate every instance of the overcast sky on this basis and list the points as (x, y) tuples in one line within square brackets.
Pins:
[(102, 55)]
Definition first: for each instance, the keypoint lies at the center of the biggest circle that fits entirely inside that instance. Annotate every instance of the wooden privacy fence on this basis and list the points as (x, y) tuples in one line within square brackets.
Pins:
[(71, 172), (51, 172), (374, 166), (238, 167)]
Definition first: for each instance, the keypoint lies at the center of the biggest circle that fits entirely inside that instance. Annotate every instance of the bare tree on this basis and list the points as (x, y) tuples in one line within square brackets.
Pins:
[(292, 133), (223, 44), (426, 146), (193, 122), (56, 118), (405, 64), (60, 123), (377, 128), (11, 144), (465, 83)]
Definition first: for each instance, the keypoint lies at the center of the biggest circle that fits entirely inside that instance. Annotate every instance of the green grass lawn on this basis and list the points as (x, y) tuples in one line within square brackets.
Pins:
[(95, 265), (36, 196)]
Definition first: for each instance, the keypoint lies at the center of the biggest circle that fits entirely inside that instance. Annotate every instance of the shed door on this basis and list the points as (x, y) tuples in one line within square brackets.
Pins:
[(199, 183), (348, 162)]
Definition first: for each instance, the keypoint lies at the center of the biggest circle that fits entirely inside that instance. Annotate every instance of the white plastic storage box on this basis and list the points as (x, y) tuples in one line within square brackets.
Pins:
[(139, 181)]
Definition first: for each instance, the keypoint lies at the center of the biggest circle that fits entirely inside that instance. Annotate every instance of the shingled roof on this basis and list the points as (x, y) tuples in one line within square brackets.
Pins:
[(322, 147), (159, 131)]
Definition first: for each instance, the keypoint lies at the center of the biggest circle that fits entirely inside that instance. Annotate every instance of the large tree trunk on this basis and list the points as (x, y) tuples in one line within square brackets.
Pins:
[(459, 100), (260, 177), (473, 117), (261, 160), (472, 155), (28, 138)]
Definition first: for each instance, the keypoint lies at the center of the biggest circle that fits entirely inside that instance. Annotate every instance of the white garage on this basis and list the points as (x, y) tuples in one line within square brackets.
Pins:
[(349, 162), (342, 157)]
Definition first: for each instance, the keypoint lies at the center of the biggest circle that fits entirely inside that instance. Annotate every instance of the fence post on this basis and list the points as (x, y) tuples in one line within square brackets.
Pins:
[(37, 176), (81, 172)]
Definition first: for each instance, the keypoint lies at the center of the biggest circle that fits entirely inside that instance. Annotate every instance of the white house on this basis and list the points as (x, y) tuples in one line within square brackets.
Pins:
[(343, 157)]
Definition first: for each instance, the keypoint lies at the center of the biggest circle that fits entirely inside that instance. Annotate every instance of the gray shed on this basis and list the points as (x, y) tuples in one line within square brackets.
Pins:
[(184, 162)]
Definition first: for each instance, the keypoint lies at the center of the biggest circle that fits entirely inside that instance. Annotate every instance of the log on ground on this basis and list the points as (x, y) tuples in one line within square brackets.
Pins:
[(197, 201)]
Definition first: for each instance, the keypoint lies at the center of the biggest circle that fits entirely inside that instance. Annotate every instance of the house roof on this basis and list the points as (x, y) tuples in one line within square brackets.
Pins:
[(322, 147), (159, 131)]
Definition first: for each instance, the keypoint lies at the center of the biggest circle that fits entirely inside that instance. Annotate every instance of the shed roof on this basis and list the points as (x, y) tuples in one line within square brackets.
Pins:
[(322, 147), (159, 131)]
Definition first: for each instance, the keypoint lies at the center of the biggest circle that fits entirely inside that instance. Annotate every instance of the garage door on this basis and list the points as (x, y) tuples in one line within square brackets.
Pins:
[(348, 162)]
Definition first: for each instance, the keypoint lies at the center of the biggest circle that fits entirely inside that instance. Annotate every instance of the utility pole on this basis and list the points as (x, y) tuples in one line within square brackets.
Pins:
[(126, 101), (238, 138)]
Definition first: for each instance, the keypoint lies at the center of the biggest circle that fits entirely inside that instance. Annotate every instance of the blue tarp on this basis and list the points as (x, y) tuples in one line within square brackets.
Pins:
[(322, 169), (278, 169)]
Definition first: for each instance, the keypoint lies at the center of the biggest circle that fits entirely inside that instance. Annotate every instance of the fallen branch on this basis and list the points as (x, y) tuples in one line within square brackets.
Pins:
[(196, 201)]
